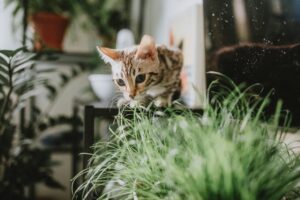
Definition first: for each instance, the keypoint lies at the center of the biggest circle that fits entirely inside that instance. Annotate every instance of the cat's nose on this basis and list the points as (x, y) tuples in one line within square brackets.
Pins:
[(132, 94)]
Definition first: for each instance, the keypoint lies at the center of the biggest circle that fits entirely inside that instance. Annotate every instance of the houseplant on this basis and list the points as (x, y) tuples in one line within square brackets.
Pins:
[(22, 163), (229, 152), (50, 20)]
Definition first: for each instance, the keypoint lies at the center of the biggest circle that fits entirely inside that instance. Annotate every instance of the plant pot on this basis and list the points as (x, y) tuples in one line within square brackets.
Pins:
[(50, 29)]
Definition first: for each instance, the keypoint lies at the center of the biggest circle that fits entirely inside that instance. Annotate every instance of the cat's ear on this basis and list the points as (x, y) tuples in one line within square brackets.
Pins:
[(146, 48), (109, 55)]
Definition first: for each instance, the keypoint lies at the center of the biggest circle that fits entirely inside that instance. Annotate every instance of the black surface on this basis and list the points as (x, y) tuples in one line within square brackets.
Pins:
[(276, 68)]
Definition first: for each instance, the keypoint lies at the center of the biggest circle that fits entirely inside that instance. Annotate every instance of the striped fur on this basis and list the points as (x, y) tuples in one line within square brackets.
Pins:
[(160, 66)]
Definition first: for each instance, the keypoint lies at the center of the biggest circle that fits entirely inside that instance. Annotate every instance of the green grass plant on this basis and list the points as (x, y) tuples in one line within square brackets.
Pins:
[(231, 151)]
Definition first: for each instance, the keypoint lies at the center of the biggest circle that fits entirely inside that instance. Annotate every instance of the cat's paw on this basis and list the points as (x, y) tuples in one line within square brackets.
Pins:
[(134, 104), (122, 102), (161, 102)]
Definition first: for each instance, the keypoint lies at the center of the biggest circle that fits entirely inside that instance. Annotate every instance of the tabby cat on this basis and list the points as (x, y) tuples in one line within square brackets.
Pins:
[(145, 73)]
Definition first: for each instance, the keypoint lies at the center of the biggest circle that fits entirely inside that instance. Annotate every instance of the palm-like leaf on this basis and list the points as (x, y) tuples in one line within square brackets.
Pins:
[(19, 81), (13, 75)]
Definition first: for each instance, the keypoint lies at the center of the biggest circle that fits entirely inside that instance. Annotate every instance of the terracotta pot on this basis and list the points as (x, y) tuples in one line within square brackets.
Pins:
[(50, 30)]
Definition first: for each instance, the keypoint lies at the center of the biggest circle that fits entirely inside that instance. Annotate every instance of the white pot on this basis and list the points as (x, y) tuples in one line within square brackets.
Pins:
[(103, 86)]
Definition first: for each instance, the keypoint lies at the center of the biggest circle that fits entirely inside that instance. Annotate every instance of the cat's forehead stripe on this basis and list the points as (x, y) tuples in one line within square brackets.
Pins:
[(128, 66)]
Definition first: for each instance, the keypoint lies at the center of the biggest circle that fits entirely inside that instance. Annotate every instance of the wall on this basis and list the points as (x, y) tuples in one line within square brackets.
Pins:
[(9, 38), (159, 13), (76, 40)]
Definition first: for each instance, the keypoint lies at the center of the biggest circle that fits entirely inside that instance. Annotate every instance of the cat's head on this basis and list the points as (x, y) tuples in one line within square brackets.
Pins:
[(133, 69)]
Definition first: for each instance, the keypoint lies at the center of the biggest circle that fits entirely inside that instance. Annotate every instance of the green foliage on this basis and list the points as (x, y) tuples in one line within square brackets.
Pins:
[(22, 164), (108, 16), (226, 153), (66, 7), (15, 82), (28, 166)]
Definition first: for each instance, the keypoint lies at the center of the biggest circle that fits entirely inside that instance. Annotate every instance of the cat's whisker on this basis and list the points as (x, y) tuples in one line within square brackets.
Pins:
[(117, 96), (114, 100)]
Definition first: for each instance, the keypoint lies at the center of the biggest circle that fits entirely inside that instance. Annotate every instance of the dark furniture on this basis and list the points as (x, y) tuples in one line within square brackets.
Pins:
[(91, 112), (106, 111)]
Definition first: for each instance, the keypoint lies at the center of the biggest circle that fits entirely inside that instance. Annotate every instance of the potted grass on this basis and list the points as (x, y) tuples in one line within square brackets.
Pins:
[(50, 20), (229, 152)]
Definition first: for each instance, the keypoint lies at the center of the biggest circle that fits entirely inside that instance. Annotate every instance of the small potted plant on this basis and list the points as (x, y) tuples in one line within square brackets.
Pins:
[(50, 20)]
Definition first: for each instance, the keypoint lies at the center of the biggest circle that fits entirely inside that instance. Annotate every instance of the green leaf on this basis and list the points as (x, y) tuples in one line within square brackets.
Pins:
[(3, 79), (22, 88), (19, 50), (7, 53), (2, 91), (19, 61), (3, 69), (10, 53), (3, 61), (23, 66)]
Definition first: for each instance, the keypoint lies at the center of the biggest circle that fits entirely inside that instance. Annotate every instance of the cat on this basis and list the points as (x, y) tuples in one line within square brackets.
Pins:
[(145, 73)]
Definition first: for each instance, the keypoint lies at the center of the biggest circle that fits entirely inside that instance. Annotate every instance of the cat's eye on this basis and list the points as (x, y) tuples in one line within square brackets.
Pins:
[(140, 78), (120, 82)]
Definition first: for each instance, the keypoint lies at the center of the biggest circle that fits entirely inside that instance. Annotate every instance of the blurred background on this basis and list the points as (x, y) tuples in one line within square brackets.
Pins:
[(261, 21), (64, 33)]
